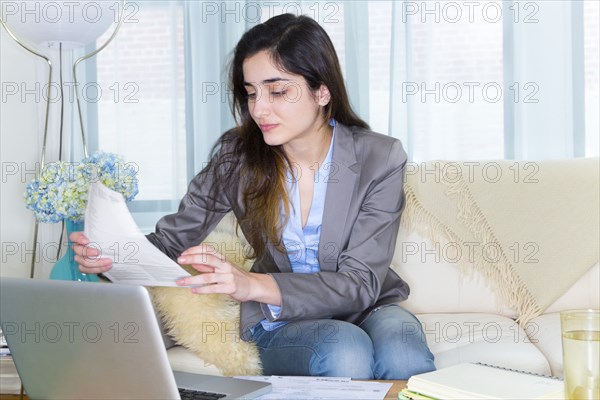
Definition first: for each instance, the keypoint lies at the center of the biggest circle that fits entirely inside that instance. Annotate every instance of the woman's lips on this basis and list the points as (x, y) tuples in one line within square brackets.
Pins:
[(267, 127)]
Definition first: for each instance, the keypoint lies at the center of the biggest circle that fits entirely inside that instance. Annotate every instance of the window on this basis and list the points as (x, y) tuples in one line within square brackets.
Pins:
[(440, 65), (591, 17), (141, 112)]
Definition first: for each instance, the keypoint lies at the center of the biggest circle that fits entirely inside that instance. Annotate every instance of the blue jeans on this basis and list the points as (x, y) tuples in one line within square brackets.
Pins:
[(388, 344)]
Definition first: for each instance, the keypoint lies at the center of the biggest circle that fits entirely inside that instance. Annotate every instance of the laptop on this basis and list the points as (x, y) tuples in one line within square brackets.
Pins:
[(83, 340)]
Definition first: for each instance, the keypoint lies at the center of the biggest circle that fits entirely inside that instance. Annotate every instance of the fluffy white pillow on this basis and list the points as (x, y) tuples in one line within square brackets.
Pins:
[(209, 324)]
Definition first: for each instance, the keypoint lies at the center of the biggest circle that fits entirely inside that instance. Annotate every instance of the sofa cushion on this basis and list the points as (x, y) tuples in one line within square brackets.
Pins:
[(436, 283), (545, 334), (486, 338)]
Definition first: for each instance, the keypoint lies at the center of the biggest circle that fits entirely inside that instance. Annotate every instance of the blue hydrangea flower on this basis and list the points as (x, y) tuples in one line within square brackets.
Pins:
[(61, 191)]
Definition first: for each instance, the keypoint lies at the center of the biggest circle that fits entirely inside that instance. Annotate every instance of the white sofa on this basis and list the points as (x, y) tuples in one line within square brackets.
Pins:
[(463, 319)]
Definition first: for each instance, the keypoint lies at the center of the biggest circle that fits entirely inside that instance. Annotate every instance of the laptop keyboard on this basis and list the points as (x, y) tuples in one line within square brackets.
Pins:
[(188, 394)]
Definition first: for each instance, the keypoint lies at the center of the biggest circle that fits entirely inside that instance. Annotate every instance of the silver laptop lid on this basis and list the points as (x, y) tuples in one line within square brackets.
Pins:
[(77, 340)]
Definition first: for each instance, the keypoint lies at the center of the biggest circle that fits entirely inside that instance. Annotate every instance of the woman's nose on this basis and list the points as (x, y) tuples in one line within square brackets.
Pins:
[(260, 106)]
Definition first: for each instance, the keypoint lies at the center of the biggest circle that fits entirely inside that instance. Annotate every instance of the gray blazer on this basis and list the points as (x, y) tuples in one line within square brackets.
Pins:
[(363, 204)]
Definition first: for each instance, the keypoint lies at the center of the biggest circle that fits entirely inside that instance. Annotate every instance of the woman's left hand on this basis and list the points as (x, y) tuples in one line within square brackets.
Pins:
[(217, 275)]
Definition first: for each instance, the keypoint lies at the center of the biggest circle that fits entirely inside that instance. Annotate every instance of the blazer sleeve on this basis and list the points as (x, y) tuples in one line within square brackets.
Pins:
[(200, 210), (363, 265)]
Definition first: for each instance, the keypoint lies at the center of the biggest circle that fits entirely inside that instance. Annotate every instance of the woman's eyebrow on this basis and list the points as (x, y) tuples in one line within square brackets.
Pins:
[(270, 80)]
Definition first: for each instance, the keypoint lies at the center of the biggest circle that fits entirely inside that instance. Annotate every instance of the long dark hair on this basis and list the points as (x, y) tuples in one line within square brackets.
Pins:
[(300, 46)]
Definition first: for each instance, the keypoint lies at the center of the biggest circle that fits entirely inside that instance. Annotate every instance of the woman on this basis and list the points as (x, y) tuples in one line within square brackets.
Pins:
[(319, 198)]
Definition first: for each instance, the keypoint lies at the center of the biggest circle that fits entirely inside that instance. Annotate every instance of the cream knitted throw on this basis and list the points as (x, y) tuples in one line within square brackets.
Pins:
[(531, 228)]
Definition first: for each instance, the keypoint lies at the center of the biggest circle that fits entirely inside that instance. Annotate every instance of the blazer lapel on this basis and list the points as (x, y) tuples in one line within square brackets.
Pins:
[(339, 195), (281, 260)]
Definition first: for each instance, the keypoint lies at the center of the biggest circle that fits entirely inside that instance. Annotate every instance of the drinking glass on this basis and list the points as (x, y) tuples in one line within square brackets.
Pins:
[(581, 353)]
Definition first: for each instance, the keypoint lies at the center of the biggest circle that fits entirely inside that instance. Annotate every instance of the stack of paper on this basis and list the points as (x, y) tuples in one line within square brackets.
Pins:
[(111, 229)]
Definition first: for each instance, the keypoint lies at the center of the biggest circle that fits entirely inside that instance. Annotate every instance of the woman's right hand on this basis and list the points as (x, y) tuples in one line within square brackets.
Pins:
[(87, 256)]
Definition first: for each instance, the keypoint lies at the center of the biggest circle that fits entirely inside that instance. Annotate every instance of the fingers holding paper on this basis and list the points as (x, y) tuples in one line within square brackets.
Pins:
[(217, 275), (88, 257)]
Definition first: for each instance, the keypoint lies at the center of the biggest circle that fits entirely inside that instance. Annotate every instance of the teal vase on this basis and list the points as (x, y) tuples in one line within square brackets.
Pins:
[(66, 269)]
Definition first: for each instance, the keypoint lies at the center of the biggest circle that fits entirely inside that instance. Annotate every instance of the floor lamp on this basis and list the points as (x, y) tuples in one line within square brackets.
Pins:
[(44, 25)]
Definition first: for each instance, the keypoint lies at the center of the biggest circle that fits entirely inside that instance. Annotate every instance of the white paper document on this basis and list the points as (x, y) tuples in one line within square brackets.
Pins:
[(303, 387), (110, 228)]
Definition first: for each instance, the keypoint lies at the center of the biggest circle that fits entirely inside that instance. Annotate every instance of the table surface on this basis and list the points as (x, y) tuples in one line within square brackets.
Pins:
[(392, 394)]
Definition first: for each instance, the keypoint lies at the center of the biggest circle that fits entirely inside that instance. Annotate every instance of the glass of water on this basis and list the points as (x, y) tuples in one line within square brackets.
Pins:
[(581, 353)]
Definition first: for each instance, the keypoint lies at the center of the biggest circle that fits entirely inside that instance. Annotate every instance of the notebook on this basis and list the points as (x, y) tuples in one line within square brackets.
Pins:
[(480, 381), (80, 340)]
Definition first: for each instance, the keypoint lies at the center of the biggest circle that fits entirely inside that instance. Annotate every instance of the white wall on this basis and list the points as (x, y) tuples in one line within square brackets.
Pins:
[(19, 144)]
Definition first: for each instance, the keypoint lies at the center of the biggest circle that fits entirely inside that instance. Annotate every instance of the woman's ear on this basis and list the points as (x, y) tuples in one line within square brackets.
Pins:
[(323, 95)]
